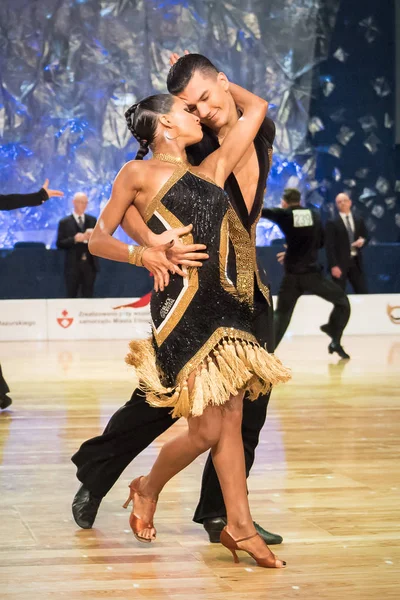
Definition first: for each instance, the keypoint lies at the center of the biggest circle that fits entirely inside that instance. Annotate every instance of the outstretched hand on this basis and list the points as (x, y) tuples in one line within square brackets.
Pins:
[(174, 57), (51, 193)]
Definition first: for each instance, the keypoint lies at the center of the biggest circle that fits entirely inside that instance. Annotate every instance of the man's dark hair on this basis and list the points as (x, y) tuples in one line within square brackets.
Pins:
[(183, 70), (291, 196)]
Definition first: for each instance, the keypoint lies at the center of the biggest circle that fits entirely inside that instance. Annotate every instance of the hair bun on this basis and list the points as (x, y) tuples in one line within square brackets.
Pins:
[(142, 119)]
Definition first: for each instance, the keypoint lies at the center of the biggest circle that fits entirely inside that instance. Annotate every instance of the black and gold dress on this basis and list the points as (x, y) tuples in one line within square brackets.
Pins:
[(202, 325)]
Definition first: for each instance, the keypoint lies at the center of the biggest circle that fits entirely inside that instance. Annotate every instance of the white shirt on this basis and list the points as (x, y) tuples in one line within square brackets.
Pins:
[(353, 251)]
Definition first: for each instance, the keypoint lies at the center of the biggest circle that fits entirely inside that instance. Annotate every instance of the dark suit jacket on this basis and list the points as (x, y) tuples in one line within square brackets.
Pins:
[(14, 201), (67, 229), (337, 243)]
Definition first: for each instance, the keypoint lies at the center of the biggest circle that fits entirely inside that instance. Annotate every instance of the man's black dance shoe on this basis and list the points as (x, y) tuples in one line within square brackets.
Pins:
[(85, 507), (5, 401), (336, 347), (215, 526)]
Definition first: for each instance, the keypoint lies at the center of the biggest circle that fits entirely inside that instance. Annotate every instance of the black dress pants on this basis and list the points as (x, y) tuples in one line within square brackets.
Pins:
[(295, 285), (101, 460), (80, 278), (4, 389), (355, 275)]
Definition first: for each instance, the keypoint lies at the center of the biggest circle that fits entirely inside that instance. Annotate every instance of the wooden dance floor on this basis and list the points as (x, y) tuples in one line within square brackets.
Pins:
[(327, 477)]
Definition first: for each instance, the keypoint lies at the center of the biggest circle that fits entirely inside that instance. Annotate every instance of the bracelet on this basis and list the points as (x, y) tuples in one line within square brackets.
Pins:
[(135, 255)]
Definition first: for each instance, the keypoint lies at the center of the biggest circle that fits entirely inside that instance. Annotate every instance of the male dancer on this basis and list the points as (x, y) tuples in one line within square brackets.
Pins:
[(304, 237), (101, 460)]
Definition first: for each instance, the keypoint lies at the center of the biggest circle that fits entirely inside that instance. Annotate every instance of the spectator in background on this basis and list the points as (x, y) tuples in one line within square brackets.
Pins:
[(345, 237), (12, 202), (73, 236)]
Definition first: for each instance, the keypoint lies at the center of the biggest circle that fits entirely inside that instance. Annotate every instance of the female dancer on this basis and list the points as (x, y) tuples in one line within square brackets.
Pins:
[(203, 355)]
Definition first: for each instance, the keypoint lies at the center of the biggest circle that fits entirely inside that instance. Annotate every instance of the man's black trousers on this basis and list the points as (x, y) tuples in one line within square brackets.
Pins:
[(80, 278), (295, 285), (355, 275), (4, 389)]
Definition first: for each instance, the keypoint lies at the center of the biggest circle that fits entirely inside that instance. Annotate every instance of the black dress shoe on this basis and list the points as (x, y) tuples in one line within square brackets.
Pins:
[(215, 526), (336, 347), (5, 401), (85, 507)]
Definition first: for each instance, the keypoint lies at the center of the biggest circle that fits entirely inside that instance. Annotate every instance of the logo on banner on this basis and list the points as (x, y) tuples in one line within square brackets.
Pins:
[(65, 321), (393, 314), (141, 303)]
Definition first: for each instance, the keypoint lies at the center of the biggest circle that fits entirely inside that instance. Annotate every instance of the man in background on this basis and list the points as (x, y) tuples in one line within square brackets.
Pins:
[(73, 236), (12, 202), (304, 237), (345, 237)]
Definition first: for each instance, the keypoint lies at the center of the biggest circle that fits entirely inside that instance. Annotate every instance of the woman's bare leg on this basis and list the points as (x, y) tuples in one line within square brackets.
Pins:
[(202, 433), (229, 463)]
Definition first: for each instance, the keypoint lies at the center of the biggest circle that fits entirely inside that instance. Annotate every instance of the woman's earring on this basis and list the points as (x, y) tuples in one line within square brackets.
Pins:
[(168, 137)]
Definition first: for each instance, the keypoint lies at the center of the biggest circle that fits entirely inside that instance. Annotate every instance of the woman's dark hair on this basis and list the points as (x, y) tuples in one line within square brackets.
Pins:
[(142, 120), (183, 70), (291, 196)]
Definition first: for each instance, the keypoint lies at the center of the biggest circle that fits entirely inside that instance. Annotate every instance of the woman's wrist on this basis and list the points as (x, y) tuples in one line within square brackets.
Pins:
[(135, 255)]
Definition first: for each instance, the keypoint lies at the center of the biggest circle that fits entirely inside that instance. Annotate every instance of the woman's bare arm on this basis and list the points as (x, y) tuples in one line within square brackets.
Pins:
[(103, 244), (221, 162), (133, 224)]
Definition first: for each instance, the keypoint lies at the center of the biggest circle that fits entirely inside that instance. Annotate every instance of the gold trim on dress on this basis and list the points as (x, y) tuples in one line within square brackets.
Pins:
[(176, 175), (221, 332), (245, 252), (229, 362), (179, 307), (226, 283)]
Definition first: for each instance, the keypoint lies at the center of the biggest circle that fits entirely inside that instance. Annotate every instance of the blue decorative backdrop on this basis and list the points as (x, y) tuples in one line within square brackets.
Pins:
[(352, 117), (69, 69)]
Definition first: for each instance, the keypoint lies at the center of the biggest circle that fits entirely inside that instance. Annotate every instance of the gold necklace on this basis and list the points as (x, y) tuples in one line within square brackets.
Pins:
[(171, 159)]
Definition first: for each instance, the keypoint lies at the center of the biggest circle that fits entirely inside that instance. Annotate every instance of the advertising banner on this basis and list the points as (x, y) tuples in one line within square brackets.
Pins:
[(23, 320), (98, 319), (127, 318)]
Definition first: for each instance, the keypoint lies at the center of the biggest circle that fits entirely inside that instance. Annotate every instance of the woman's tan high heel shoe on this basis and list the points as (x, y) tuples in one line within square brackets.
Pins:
[(232, 545), (136, 523)]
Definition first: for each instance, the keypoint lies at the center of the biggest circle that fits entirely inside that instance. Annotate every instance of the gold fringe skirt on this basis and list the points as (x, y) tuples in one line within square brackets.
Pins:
[(224, 366)]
